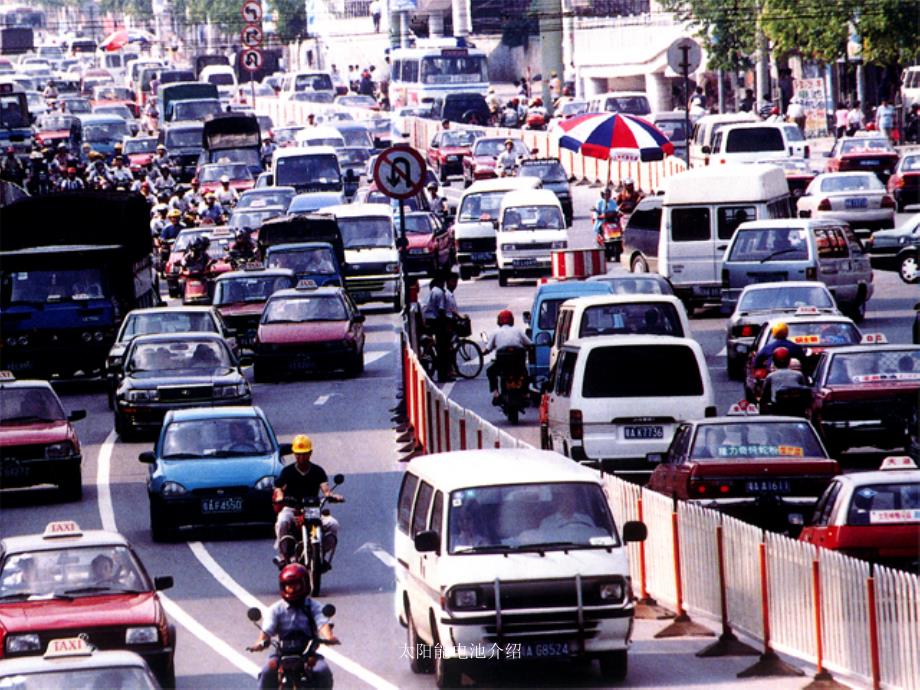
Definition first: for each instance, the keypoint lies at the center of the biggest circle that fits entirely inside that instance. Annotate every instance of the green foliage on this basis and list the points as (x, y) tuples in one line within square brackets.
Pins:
[(725, 28), (291, 19)]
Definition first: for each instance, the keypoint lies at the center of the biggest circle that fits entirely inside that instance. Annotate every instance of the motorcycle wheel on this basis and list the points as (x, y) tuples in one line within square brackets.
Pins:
[(513, 415), (315, 567), (468, 358)]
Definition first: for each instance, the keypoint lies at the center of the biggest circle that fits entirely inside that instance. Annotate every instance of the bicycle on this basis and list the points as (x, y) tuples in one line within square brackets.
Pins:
[(466, 354)]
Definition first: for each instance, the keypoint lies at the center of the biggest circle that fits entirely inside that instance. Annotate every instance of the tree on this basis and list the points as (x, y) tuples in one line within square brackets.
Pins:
[(725, 28), (290, 19)]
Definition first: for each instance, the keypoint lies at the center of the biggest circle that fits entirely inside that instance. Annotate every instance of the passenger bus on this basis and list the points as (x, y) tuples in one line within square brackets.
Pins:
[(23, 16), (15, 122), (434, 69)]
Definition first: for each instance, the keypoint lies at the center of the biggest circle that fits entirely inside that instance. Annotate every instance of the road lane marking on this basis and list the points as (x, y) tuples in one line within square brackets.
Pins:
[(322, 400), (723, 352), (371, 357), (448, 387), (103, 490), (379, 553)]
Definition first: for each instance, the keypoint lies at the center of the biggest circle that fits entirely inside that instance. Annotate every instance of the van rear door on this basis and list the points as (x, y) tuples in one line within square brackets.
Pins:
[(692, 251)]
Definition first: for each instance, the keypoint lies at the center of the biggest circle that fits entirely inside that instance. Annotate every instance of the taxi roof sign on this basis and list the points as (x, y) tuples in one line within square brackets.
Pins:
[(7, 376), (743, 408), (62, 528), (253, 266), (68, 646), (874, 339), (306, 284), (898, 462), (803, 311)]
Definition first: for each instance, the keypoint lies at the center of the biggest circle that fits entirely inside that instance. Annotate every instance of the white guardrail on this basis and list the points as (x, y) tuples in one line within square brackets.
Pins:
[(825, 608)]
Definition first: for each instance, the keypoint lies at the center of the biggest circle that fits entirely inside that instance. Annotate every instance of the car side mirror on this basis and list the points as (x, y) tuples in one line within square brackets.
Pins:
[(706, 150), (147, 457), (360, 318), (285, 448), (428, 541), (527, 316), (654, 458), (634, 531), (329, 610), (254, 614), (445, 183), (338, 479), (76, 415), (435, 145), (543, 338), (163, 582)]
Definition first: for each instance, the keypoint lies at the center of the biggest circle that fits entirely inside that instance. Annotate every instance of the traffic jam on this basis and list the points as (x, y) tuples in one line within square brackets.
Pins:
[(357, 372)]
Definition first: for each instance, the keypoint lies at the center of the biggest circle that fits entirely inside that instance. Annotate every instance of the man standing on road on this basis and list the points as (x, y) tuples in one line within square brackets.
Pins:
[(375, 10), (796, 113), (884, 119)]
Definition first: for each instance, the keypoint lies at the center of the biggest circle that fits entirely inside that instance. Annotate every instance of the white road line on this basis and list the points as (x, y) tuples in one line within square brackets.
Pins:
[(103, 490), (723, 352), (370, 357), (448, 387), (379, 553), (321, 400)]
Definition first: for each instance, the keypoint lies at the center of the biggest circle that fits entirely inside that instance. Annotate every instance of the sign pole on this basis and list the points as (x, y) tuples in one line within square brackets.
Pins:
[(685, 64), (403, 251)]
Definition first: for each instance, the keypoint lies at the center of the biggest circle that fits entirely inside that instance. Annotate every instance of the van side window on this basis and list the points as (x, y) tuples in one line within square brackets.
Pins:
[(397, 69), (422, 504), (404, 504), (437, 513), (716, 141), (697, 134), (825, 505), (645, 219), (730, 217), (562, 328), (690, 224), (831, 243), (780, 208), (566, 374), (680, 446)]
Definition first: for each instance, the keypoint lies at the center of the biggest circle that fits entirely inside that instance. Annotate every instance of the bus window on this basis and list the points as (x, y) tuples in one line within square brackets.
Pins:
[(447, 69), (410, 70)]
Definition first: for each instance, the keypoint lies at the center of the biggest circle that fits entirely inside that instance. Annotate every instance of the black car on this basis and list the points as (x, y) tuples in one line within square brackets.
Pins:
[(183, 142), (171, 371), (554, 178), (470, 108)]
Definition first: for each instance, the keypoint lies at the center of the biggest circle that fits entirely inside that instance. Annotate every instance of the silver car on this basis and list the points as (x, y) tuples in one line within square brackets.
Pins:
[(859, 198)]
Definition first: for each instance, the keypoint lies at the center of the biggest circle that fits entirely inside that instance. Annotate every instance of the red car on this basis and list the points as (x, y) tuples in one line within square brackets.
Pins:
[(480, 164), (38, 444), (237, 173), (799, 174), (863, 152), (750, 467), (140, 151), (447, 150), (431, 245), (904, 184), (116, 95), (240, 297), (68, 583), (53, 129)]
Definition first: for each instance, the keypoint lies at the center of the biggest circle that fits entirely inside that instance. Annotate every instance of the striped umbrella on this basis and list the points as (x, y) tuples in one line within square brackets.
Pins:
[(614, 135), (119, 39)]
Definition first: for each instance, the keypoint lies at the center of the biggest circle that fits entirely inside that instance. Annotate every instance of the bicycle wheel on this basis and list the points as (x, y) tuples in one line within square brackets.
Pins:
[(467, 358)]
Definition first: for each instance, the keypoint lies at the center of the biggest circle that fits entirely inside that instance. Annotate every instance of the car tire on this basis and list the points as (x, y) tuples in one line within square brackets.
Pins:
[(168, 679), (466, 182), (356, 368), (71, 489), (465, 273), (858, 311), (545, 442), (160, 528), (909, 268), (502, 278), (638, 264), (735, 368), (420, 660), (614, 665), (397, 303), (442, 178), (262, 372), (123, 429), (446, 671)]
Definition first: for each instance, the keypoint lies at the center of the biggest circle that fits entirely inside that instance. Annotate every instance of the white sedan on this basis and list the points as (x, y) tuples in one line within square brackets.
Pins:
[(858, 198)]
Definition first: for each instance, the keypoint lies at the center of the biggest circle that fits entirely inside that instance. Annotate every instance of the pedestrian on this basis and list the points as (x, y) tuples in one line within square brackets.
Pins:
[(884, 119), (855, 119), (840, 119), (746, 104), (796, 113), (375, 10), (555, 85), (697, 99), (766, 107)]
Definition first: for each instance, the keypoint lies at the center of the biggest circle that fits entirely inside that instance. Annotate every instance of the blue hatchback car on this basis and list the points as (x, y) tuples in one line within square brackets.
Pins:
[(212, 466)]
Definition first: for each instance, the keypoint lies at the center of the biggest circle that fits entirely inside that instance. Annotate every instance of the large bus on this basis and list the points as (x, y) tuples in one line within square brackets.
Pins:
[(435, 68), (15, 121), (23, 16)]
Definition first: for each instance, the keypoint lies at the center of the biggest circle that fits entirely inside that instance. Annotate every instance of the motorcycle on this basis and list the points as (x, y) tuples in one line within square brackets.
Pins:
[(311, 548), (161, 258), (296, 654), (536, 118), (513, 392), (611, 236)]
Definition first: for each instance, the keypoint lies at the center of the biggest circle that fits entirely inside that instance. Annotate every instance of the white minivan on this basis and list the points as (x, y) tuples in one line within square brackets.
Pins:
[(755, 142), (629, 102), (515, 552), (223, 77), (614, 399), (705, 129), (701, 210), (531, 225)]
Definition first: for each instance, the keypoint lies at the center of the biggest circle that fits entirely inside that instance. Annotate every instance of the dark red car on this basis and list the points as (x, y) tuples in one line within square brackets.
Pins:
[(904, 184), (431, 245), (38, 444), (240, 297), (140, 151), (480, 164), (237, 174), (863, 152), (447, 150), (799, 174), (54, 128)]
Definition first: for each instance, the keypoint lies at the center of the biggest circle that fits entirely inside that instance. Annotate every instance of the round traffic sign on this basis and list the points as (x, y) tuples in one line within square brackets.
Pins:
[(399, 172), (684, 52), (251, 11), (251, 35), (251, 59)]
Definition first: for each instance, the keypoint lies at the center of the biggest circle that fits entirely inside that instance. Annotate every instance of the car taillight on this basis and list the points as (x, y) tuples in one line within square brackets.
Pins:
[(887, 202), (824, 205), (576, 425), (811, 273), (807, 152), (747, 331), (897, 181), (702, 487)]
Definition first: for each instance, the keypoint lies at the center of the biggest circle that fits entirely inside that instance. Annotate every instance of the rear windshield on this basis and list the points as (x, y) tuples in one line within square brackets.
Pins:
[(643, 318), (769, 244), (885, 504), (631, 105), (315, 82), (850, 183), (823, 333), (483, 206), (763, 440), (786, 298), (183, 138), (622, 371), (878, 367), (751, 139)]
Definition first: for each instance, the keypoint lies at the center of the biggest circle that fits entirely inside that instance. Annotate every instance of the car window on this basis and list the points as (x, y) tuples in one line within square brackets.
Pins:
[(785, 298), (304, 309), (730, 217), (825, 505), (168, 322), (482, 206), (647, 219), (751, 139), (215, 438), (548, 313), (437, 513), (422, 504), (831, 243), (160, 356), (680, 444), (677, 373), (763, 440), (641, 318), (769, 244), (404, 504), (875, 367), (887, 503), (566, 374), (21, 405), (851, 183), (690, 224)]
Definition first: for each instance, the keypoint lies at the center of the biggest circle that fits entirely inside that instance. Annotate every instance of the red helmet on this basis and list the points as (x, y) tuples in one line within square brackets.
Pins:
[(781, 357), (294, 582), (505, 318)]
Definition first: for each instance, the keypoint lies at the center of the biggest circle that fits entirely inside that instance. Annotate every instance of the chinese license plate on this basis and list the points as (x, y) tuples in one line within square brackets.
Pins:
[(869, 162), (16, 470), (301, 364), (523, 263), (538, 650), (634, 432), (483, 256), (222, 505), (767, 486), (856, 202)]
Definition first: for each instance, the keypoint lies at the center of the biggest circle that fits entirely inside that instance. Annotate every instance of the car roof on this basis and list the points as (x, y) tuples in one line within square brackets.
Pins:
[(194, 413), (295, 151), (324, 291), (99, 659), (359, 210), (256, 272), (631, 340), (99, 119), (572, 287), (266, 191), (500, 138), (735, 419), (172, 310), (886, 347), (27, 383), (880, 477), (810, 318), (527, 197), (171, 337), (498, 466), (616, 298), (784, 284), (287, 246), (786, 223), (503, 184)]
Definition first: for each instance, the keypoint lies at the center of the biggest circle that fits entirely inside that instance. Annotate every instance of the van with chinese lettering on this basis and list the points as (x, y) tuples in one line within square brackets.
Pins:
[(701, 209), (510, 554)]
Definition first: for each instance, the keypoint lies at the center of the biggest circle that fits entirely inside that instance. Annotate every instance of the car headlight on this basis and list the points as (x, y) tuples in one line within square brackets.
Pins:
[(266, 483), (137, 396), (146, 634), (392, 268), (901, 240), (173, 489), (230, 391), (465, 598), (17, 644), (508, 247), (115, 362), (56, 451), (612, 591), (560, 244)]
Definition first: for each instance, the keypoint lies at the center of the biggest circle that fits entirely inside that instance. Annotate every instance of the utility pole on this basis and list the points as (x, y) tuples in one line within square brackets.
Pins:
[(460, 15), (549, 13), (763, 60)]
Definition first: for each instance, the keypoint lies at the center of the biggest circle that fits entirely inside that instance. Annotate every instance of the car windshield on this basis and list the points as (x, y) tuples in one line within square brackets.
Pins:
[(185, 239), (549, 310), (460, 69), (200, 355), (21, 405), (303, 309), (221, 79), (754, 139), (253, 218), (119, 110), (762, 440), (357, 137), (850, 183), (817, 333), (881, 366), (195, 110), (783, 297), (530, 516), (418, 224), (356, 101), (105, 132), (635, 285), (354, 156), (865, 146), (359, 233), (213, 173), (52, 122), (481, 206), (132, 146), (31, 287), (80, 106), (216, 437), (167, 321), (533, 218), (81, 679), (672, 129), (768, 244), (249, 289), (457, 137), (313, 97), (889, 503), (548, 172), (249, 157), (111, 93), (307, 170), (266, 197), (286, 135), (642, 318), (71, 572), (183, 138), (314, 260), (677, 373), (631, 105), (493, 147), (314, 82)]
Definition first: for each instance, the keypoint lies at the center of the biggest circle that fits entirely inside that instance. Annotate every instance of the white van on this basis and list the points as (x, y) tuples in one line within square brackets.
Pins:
[(222, 76), (637, 314), (477, 219), (308, 169), (910, 86), (629, 102), (615, 399), (754, 142), (513, 551), (308, 80), (320, 136), (701, 210), (706, 127), (372, 271), (531, 225)]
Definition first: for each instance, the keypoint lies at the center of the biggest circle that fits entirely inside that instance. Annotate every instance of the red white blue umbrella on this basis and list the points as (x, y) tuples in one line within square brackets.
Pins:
[(614, 135), (119, 39)]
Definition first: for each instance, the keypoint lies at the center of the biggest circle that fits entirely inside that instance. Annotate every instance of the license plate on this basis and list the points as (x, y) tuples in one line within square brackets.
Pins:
[(15, 470), (544, 650), (222, 505), (301, 364), (633, 432), (15, 366), (362, 296), (523, 263), (766, 277), (858, 202), (482, 256), (869, 162), (708, 291), (767, 486)]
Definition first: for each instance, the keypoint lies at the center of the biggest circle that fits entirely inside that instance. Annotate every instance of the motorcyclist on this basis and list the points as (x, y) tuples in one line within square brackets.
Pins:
[(159, 220), (507, 159), (11, 169), (629, 197), (195, 198), (71, 183), (161, 157), (227, 195), (303, 479), (152, 116), (212, 211), (196, 259), (295, 613), (780, 334), (178, 200), (243, 248), (50, 93), (38, 181), (603, 208), (268, 148), (121, 176), (783, 377), (173, 225), (507, 335), (436, 203), (61, 161), (165, 181), (98, 174)]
